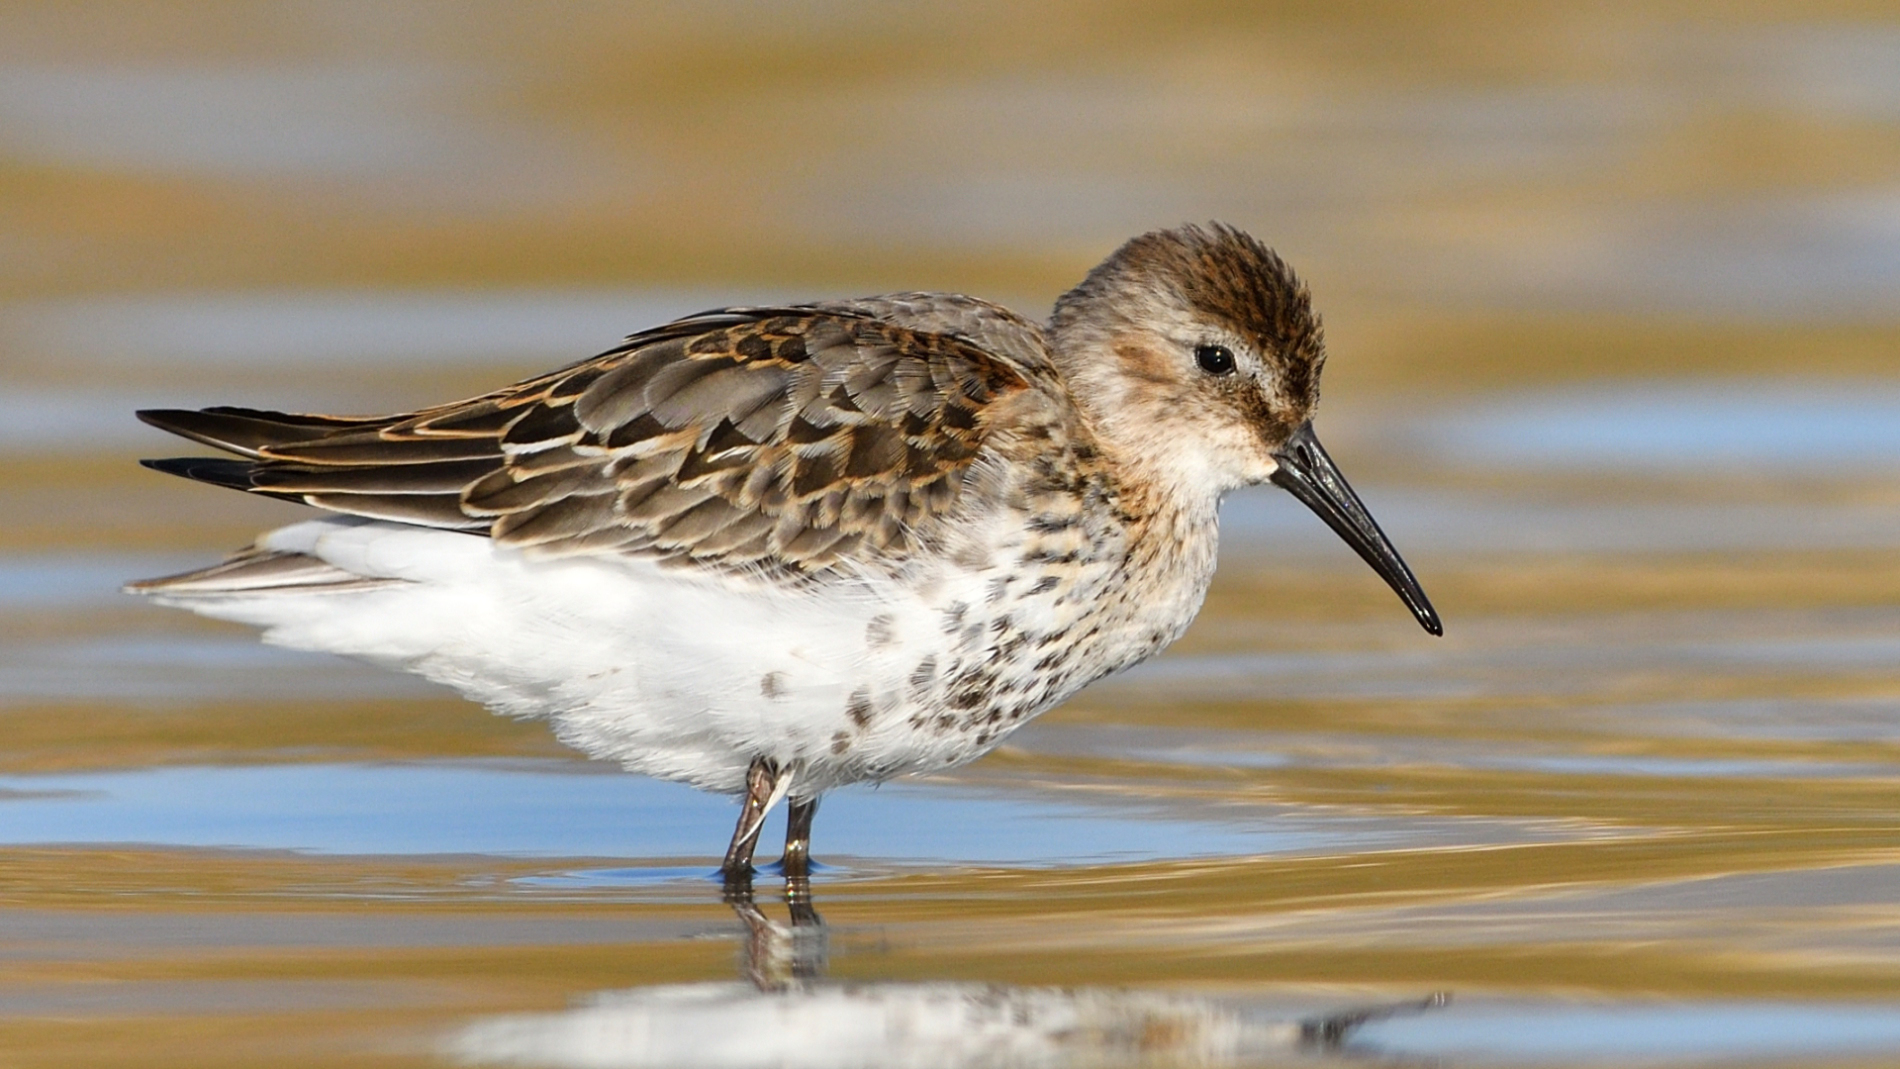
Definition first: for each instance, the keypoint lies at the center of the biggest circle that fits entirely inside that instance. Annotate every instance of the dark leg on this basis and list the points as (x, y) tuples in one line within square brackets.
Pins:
[(808, 928), (797, 863), (778, 957), (760, 780)]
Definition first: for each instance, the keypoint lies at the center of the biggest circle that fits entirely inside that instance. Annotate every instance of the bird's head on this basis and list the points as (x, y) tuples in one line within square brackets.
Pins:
[(1195, 354)]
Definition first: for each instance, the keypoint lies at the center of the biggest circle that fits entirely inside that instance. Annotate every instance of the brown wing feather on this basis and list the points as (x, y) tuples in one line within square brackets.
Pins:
[(786, 440), (789, 441)]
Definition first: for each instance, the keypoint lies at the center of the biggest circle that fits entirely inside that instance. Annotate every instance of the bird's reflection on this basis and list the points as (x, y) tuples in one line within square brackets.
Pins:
[(784, 1013), (779, 957)]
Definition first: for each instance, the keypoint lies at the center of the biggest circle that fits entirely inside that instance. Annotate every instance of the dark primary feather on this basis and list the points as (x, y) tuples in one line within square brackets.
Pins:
[(241, 430), (218, 471), (785, 439)]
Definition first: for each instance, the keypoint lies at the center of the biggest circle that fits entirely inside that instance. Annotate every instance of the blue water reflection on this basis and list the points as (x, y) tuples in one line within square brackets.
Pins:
[(561, 809), (1499, 1032), (1683, 427), (77, 581)]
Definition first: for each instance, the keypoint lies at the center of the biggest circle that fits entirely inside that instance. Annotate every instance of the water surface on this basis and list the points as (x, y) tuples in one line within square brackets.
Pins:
[(1636, 807), (1610, 302)]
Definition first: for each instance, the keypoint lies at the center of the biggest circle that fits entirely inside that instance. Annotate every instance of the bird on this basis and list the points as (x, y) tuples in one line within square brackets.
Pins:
[(771, 551)]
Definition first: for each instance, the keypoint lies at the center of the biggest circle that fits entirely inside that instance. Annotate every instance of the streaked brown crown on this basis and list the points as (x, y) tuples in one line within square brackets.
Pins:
[(1221, 273)]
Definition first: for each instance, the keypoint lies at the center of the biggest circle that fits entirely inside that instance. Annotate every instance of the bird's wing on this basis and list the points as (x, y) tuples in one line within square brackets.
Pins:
[(787, 440)]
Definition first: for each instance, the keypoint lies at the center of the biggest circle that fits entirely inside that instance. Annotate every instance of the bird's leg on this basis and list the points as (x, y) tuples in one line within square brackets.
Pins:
[(797, 862), (808, 928), (774, 956), (761, 790)]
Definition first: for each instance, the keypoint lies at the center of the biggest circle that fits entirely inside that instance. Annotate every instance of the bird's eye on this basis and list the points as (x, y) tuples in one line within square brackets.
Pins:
[(1215, 359)]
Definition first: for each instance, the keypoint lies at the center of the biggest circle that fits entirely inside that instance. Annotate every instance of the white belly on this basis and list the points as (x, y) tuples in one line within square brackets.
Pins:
[(671, 673)]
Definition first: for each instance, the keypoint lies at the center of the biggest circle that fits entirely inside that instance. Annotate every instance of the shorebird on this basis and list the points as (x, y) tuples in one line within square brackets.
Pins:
[(771, 551)]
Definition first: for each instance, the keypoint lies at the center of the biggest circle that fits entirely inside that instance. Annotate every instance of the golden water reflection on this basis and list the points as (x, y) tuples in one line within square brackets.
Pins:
[(1609, 294)]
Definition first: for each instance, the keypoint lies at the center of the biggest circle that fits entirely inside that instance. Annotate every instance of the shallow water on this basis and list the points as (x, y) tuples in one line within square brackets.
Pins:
[(1635, 807), (1610, 298), (557, 810)]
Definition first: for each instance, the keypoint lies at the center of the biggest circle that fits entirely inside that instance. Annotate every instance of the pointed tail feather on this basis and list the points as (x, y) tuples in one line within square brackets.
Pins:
[(340, 464), (246, 431)]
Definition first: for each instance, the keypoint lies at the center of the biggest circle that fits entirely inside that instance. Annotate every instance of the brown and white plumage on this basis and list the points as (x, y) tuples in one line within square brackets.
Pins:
[(786, 439), (835, 542)]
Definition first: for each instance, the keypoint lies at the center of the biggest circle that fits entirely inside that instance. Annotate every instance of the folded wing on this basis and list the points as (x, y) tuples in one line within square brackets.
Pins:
[(786, 440)]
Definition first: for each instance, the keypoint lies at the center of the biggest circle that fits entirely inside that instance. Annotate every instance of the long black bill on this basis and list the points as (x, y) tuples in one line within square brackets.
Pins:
[(1309, 474)]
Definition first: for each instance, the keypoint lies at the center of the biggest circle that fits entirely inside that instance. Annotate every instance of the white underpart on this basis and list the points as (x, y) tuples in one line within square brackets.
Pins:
[(662, 670)]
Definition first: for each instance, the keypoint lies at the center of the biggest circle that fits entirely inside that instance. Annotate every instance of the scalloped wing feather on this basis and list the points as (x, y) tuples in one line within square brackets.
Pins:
[(786, 440)]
